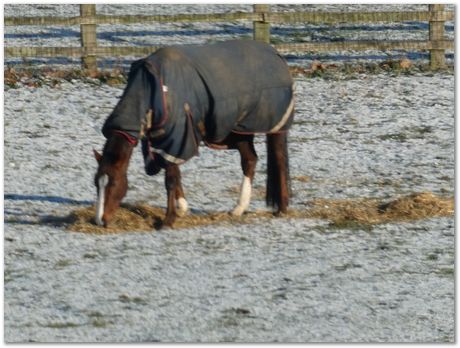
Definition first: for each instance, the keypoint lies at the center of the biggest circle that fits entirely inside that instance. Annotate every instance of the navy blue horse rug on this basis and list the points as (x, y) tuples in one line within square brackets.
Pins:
[(182, 95)]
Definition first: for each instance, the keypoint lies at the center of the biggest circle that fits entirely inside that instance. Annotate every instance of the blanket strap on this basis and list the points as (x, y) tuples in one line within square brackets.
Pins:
[(146, 130), (200, 125), (146, 127), (148, 118), (146, 124)]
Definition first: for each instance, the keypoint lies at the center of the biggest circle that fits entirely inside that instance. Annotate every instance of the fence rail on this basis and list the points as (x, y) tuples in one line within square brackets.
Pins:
[(102, 51), (261, 18)]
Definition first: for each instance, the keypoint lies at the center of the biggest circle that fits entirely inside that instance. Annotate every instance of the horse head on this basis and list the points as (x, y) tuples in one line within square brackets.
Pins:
[(111, 177)]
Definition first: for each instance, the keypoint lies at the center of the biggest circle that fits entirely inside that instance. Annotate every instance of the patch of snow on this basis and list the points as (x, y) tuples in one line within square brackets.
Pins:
[(275, 280)]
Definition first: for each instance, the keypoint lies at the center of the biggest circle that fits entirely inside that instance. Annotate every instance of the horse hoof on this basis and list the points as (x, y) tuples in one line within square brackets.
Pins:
[(280, 213), (181, 213), (167, 223), (163, 226), (238, 211), (182, 207)]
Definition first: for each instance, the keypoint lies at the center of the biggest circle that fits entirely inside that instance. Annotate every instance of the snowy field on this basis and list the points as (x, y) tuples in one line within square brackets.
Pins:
[(276, 280)]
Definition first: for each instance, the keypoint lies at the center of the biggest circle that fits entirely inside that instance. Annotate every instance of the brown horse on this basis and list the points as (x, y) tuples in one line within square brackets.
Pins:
[(181, 96), (112, 183)]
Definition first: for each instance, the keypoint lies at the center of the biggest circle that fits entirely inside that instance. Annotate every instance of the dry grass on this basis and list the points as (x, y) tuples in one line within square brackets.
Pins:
[(366, 211), (37, 77), (372, 211), (142, 217)]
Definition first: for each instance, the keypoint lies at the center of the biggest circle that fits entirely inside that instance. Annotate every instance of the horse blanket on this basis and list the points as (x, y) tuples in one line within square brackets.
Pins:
[(182, 95)]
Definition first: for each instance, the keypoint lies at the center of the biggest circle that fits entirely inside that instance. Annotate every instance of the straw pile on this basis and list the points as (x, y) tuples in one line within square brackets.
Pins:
[(365, 211)]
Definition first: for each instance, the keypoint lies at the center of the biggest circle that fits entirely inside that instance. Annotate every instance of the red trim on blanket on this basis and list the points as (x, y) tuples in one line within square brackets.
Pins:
[(132, 140), (215, 146)]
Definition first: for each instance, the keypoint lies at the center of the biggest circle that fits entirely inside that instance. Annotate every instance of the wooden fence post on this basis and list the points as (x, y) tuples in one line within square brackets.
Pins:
[(437, 56), (262, 28), (88, 37)]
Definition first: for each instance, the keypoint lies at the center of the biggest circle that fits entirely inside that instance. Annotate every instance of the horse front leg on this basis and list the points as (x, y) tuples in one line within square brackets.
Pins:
[(181, 203), (172, 182), (245, 145)]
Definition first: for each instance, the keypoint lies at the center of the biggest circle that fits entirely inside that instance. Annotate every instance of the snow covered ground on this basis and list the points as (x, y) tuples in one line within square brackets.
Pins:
[(277, 280)]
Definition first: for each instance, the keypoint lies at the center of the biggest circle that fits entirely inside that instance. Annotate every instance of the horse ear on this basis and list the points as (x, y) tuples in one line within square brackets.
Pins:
[(97, 155)]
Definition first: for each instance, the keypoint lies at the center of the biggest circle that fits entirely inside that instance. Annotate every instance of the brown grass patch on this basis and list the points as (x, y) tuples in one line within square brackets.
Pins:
[(373, 211), (363, 211)]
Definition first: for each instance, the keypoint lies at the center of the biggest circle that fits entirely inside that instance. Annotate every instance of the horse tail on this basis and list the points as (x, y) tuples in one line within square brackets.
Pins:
[(278, 180)]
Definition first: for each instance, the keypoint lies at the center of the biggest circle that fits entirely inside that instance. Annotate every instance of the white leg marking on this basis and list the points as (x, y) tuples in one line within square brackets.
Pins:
[(103, 181), (182, 206), (245, 197)]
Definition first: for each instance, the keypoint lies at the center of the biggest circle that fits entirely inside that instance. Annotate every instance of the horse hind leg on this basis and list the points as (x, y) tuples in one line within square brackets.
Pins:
[(172, 175), (244, 144), (277, 194)]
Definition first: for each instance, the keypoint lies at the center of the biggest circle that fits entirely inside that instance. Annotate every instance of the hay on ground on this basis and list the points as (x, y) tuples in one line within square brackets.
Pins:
[(372, 211), (142, 217)]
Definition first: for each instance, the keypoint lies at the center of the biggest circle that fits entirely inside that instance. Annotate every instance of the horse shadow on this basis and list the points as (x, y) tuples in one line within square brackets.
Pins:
[(18, 218), (50, 199)]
